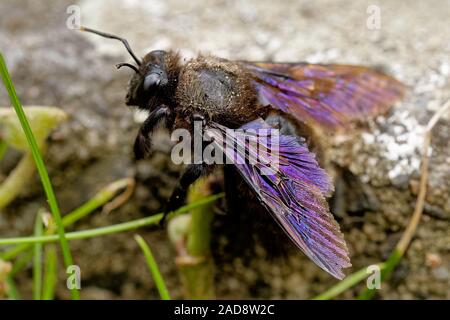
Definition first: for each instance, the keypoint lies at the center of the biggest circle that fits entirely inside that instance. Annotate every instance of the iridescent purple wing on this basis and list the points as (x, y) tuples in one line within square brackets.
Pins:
[(288, 180), (329, 95)]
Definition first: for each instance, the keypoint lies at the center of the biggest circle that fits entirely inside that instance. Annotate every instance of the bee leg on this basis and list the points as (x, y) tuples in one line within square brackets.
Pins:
[(142, 144), (199, 117), (190, 175)]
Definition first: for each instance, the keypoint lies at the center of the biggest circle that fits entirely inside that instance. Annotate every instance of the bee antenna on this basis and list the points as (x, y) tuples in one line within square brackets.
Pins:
[(111, 36), (124, 64)]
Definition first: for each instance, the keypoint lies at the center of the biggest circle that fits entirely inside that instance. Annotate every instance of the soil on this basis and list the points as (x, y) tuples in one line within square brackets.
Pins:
[(53, 65)]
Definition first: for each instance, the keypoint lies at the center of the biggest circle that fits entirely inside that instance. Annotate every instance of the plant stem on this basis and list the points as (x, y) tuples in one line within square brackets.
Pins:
[(50, 274), (154, 270), (13, 293), (17, 180), (102, 197), (121, 227), (67, 255), (201, 218), (21, 263), (37, 259), (386, 271), (345, 284), (192, 241)]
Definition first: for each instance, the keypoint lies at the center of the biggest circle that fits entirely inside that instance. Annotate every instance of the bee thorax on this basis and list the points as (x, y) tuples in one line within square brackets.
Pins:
[(217, 88)]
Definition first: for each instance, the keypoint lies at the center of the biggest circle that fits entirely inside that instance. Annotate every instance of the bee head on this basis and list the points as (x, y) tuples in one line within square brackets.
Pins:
[(155, 76), (150, 83)]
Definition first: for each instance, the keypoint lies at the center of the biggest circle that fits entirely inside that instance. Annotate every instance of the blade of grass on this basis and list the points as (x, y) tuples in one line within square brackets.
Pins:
[(14, 252), (154, 270), (347, 283), (37, 259), (48, 188), (18, 266), (17, 180), (50, 268), (102, 197), (21, 263), (51, 273), (13, 293), (121, 227), (389, 266)]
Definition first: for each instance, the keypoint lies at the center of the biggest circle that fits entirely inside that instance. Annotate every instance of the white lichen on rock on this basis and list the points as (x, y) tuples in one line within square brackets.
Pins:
[(400, 145), (388, 152)]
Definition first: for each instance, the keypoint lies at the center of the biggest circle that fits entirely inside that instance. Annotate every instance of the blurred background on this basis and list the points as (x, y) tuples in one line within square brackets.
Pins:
[(53, 65)]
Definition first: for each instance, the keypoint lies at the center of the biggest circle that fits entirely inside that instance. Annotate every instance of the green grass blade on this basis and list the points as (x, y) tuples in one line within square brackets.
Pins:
[(85, 234), (350, 281), (154, 270), (14, 252), (102, 197), (13, 293), (343, 285), (17, 180), (51, 273), (37, 259), (67, 255), (386, 272), (121, 227), (21, 263)]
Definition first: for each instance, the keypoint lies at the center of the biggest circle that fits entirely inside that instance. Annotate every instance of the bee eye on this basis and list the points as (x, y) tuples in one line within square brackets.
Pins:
[(153, 79)]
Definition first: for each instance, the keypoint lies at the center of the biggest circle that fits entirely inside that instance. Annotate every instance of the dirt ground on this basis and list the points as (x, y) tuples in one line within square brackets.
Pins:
[(53, 65)]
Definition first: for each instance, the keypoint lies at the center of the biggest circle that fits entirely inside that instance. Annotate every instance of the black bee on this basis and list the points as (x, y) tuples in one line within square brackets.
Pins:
[(227, 94)]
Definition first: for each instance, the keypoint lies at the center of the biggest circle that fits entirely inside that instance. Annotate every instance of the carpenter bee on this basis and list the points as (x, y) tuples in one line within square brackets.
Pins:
[(227, 95)]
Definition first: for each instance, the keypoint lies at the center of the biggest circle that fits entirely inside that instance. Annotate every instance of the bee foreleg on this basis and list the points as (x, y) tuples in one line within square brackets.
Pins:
[(142, 144), (190, 175)]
